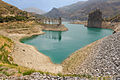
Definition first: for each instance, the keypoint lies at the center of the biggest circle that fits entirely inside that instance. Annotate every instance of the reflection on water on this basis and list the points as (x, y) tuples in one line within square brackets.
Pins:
[(55, 35), (94, 29), (29, 39)]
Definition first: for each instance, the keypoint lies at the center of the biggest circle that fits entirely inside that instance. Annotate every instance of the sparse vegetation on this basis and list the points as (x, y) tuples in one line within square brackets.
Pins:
[(9, 10), (11, 18), (28, 72), (6, 46)]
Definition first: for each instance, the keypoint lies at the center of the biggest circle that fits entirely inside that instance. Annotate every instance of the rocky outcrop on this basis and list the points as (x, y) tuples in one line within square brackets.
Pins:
[(95, 19)]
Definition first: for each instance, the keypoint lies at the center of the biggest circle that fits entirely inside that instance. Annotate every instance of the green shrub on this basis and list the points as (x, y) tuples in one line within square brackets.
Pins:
[(20, 18), (4, 53), (12, 18), (6, 73), (60, 74), (14, 64), (28, 72)]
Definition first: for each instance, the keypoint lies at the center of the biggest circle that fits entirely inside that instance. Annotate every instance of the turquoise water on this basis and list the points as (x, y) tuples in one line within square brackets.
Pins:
[(59, 45)]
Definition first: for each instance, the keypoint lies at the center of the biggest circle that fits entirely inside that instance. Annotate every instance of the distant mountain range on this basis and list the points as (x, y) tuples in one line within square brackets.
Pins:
[(34, 10), (81, 9)]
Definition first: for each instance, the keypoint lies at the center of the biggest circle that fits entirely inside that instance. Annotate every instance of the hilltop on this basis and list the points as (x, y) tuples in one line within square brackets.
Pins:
[(9, 10), (34, 10)]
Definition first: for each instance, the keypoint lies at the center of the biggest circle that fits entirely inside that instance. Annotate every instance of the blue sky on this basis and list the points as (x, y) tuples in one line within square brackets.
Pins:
[(45, 5)]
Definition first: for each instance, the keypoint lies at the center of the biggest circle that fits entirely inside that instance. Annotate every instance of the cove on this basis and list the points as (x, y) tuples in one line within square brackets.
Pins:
[(60, 45)]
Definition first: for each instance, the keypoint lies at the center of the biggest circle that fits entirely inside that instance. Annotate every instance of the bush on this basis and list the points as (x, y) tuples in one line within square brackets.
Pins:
[(20, 18), (1, 20), (28, 72)]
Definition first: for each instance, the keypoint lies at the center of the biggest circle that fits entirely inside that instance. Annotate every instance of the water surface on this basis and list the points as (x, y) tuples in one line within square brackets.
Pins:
[(59, 45)]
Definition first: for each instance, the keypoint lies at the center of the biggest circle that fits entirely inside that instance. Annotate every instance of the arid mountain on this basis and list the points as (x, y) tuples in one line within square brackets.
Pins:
[(34, 10), (9, 10), (81, 9), (54, 13)]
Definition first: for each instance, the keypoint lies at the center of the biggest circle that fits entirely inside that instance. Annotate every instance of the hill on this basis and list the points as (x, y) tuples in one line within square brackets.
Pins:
[(81, 9), (34, 10), (9, 10)]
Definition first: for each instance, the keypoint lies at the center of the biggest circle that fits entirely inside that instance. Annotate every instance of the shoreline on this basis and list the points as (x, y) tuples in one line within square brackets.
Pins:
[(28, 55), (82, 61), (50, 67), (27, 36), (54, 28), (34, 46), (45, 68), (105, 25)]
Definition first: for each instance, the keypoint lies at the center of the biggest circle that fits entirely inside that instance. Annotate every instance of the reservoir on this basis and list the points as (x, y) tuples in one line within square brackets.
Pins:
[(59, 45)]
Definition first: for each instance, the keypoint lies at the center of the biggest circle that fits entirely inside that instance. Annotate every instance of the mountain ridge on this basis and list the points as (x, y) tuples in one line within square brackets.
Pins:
[(81, 9), (34, 10)]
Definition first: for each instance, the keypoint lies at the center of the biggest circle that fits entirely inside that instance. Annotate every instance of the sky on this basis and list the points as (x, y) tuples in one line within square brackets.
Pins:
[(45, 5)]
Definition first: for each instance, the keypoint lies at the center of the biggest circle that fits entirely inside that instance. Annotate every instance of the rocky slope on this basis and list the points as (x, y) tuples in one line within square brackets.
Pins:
[(80, 10), (100, 58), (9, 10), (39, 76)]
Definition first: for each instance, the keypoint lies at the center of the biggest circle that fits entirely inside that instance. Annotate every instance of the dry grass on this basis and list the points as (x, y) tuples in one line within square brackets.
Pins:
[(9, 10), (6, 47), (7, 67)]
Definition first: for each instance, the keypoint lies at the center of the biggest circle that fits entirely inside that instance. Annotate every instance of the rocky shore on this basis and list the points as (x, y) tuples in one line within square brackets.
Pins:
[(101, 58), (39, 76)]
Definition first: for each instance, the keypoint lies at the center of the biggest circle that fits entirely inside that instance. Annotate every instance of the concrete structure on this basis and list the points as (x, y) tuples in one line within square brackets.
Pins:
[(95, 19)]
